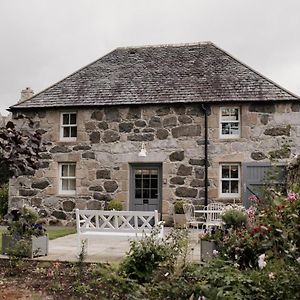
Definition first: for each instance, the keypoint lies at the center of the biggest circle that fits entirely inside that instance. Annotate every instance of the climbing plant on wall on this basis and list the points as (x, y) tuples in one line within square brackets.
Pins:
[(19, 150)]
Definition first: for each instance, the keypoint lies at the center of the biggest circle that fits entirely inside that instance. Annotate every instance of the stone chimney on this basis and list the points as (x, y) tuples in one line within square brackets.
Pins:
[(26, 94)]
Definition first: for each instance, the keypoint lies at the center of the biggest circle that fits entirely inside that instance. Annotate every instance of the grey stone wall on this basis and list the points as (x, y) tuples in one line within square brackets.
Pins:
[(110, 138), (4, 120), (269, 132)]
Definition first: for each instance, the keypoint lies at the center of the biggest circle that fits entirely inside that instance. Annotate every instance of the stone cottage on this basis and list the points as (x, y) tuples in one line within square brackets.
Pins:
[(149, 125)]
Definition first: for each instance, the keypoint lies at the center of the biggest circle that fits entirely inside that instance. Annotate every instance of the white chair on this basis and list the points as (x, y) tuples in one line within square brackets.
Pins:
[(191, 220), (213, 215)]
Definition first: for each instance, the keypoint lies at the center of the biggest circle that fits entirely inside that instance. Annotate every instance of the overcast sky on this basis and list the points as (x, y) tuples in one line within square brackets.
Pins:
[(42, 41)]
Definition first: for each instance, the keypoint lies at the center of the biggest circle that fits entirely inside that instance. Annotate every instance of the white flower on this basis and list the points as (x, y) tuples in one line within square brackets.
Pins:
[(236, 265), (293, 248), (261, 261), (298, 260), (215, 252), (271, 275), (167, 274)]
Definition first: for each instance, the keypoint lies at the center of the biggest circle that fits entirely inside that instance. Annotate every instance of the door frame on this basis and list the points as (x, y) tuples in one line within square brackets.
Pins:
[(134, 166)]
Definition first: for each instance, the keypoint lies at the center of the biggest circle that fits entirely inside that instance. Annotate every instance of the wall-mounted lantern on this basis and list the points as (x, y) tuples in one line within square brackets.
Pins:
[(143, 152)]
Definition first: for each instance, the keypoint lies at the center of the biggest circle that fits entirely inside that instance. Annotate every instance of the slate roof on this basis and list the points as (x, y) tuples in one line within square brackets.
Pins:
[(199, 72)]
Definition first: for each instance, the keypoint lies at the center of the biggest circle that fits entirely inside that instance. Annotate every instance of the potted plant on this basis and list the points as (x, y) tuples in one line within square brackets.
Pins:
[(234, 217), (25, 237), (179, 216), (208, 246), (115, 205)]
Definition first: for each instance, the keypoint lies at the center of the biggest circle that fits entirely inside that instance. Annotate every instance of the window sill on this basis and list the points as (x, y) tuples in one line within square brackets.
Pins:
[(66, 195), (223, 197), (223, 138), (231, 200), (66, 140), (74, 142)]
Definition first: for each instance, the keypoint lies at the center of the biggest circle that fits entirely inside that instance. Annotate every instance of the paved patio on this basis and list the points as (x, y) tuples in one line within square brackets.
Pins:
[(102, 249)]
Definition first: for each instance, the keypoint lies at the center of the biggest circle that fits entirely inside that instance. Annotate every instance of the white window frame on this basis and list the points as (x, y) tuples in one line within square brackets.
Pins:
[(61, 178), (230, 136), (62, 126), (230, 195)]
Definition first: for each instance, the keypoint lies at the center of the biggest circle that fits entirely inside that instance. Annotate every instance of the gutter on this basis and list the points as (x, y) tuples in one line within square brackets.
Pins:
[(205, 109)]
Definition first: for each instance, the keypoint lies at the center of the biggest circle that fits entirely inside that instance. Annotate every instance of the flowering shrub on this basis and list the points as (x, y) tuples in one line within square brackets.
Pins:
[(234, 216), (292, 196), (272, 232), (251, 213), (150, 255), (24, 224)]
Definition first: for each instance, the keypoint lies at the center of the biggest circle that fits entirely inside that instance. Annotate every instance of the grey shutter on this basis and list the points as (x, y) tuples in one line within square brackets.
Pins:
[(255, 176)]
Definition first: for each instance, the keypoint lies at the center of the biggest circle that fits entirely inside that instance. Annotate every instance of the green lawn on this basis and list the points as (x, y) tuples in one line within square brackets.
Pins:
[(56, 232), (53, 232)]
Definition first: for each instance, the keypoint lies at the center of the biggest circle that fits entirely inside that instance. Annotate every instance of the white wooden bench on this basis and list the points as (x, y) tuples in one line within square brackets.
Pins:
[(96, 223)]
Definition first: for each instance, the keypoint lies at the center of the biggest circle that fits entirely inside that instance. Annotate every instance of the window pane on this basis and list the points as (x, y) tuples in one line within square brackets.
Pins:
[(138, 183), (146, 172), (72, 118), (235, 114), (138, 172), (66, 119), (153, 193), (234, 187), (64, 184), (225, 171), (234, 171), (138, 193), (230, 114), (234, 128), (225, 113), (225, 187), (72, 184), (66, 132), (73, 131), (64, 170), (153, 183), (225, 128), (146, 183), (72, 170), (146, 194), (154, 172)]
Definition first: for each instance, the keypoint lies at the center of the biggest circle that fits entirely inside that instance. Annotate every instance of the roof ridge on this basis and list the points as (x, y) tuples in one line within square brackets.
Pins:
[(256, 72), (167, 45)]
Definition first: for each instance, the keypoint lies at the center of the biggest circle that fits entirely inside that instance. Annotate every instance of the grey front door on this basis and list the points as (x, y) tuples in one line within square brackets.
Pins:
[(145, 187)]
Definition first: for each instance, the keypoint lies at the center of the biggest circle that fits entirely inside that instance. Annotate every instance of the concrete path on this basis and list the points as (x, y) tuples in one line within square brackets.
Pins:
[(102, 249)]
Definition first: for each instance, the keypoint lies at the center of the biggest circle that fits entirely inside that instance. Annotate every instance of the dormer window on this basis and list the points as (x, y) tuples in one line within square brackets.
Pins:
[(68, 126), (230, 122)]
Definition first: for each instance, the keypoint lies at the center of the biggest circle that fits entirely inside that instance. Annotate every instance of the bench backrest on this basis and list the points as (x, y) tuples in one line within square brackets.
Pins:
[(115, 221)]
